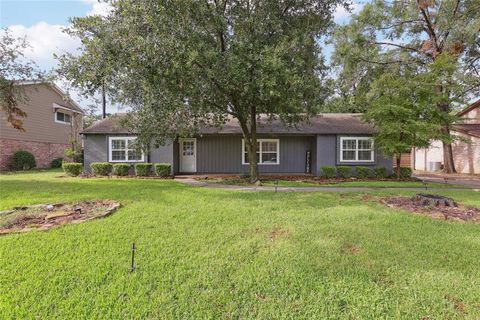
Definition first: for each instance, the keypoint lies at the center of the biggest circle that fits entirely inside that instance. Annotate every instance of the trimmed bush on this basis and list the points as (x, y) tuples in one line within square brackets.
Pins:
[(328, 172), (344, 171), (121, 169), (363, 172), (56, 163), (380, 172), (163, 169), (72, 168), (101, 168), (143, 169), (23, 160), (405, 173)]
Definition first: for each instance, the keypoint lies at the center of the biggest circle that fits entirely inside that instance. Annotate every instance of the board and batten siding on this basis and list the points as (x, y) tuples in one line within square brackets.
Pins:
[(223, 154)]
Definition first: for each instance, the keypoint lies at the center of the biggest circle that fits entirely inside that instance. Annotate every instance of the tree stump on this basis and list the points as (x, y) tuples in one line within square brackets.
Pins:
[(434, 200)]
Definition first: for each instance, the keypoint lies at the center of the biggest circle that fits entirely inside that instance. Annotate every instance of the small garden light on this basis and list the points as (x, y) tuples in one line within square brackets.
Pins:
[(276, 185), (132, 268), (425, 184)]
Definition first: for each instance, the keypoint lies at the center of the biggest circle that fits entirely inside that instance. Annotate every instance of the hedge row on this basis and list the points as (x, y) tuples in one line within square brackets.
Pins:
[(123, 169), (361, 172)]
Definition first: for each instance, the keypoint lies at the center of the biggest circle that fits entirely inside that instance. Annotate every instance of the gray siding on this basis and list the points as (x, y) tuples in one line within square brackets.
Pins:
[(223, 154), (163, 154), (95, 150)]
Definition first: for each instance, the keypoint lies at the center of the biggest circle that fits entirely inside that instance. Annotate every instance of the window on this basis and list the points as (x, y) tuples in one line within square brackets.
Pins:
[(354, 149), (63, 117), (122, 149), (267, 151)]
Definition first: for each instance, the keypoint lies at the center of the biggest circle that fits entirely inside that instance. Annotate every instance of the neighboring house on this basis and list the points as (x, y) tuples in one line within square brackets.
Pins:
[(52, 122), (326, 140), (466, 152)]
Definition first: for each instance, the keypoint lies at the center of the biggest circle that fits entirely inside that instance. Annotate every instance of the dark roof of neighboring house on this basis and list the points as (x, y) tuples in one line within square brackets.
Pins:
[(327, 123), (474, 105), (472, 129)]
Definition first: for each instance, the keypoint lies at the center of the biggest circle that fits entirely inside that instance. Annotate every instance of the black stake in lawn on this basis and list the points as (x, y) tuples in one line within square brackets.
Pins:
[(425, 184), (132, 268), (276, 185)]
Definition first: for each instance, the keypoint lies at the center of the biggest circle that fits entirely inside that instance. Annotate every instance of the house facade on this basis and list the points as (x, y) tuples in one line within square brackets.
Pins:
[(52, 122), (466, 150), (326, 140)]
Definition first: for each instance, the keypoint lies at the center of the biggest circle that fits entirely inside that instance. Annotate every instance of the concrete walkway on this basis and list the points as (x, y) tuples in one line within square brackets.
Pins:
[(192, 182), (461, 180)]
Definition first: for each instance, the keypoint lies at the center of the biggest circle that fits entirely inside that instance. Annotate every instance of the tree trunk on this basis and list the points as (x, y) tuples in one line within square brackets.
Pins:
[(399, 161), (104, 102), (250, 139), (449, 165)]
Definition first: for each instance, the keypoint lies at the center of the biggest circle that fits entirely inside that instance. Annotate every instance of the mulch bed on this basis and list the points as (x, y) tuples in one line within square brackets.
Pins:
[(47, 216), (460, 213)]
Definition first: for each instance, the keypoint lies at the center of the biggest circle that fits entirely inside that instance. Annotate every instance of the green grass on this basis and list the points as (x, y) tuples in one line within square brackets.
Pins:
[(205, 253)]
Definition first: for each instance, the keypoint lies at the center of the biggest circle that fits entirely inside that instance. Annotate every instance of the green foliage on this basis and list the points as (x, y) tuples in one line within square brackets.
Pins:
[(344, 171), (101, 168), (143, 169), (328, 172), (56, 163), (72, 168), (405, 173), (23, 160), (223, 58), (380, 172), (121, 169), (163, 169), (363, 172), (75, 152)]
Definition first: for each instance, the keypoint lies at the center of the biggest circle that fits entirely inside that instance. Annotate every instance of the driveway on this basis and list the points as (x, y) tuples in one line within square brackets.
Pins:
[(455, 179)]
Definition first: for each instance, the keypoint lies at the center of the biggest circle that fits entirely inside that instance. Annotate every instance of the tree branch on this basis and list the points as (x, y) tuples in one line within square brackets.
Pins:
[(398, 46)]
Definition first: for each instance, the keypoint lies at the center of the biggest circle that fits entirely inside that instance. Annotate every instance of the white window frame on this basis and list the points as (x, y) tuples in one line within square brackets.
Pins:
[(356, 149), (277, 141), (62, 122), (110, 150)]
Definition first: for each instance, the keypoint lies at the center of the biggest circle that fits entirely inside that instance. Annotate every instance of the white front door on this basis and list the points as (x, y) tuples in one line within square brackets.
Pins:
[(188, 155)]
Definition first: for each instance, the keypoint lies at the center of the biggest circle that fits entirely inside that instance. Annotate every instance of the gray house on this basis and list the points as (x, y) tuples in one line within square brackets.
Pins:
[(325, 140)]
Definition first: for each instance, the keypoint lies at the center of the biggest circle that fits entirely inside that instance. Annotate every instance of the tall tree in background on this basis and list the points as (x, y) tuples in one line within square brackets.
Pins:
[(14, 68), (413, 34), (180, 64)]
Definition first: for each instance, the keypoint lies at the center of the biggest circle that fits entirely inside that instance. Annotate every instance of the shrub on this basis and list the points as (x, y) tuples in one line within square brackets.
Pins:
[(101, 168), (121, 169), (23, 160), (344, 171), (163, 169), (405, 173), (328, 172), (72, 168), (380, 172), (363, 172), (56, 163), (143, 169)]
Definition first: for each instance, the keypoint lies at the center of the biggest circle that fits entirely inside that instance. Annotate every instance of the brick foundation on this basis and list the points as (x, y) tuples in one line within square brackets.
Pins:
[(43, 152)]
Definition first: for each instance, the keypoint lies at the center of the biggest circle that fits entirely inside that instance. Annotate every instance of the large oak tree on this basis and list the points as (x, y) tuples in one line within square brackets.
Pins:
[(181, 64), (413, 34)]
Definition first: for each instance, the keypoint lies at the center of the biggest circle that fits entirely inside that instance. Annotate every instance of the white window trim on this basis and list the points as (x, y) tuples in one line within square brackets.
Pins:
[(62, 122), (110, 150), (277, 141), (356, 149)]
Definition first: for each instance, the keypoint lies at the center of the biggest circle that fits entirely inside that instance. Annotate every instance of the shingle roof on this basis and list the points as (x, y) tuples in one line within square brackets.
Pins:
[(474, 105), (327, 123)]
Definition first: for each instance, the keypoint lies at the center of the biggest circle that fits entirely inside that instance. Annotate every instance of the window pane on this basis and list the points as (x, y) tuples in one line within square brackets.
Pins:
[(188, 148), (66, 118), (349, 144), (118, 144), (348, 155), (248, 161), (269, 157), (60, 116), (131, 144), (365, 155), (118, 155), (269, 146), (134, 155), (364, 144)]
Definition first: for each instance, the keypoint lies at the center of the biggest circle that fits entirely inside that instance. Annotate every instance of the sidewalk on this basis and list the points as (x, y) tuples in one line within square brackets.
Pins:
[(457, 179), (192, 182)]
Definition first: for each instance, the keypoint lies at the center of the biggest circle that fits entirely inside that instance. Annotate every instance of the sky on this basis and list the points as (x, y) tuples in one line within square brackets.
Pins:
[(42, 22)]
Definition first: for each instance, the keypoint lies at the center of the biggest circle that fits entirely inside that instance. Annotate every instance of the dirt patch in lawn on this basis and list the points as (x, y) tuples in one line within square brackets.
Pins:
[(46, 216), (277, 234), (414, 205)]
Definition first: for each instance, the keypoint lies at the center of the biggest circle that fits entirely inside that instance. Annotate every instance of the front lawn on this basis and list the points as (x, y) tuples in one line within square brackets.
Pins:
[(208, 253)]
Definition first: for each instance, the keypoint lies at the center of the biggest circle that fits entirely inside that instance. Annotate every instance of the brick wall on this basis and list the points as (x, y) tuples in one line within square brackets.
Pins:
[(43, 152)]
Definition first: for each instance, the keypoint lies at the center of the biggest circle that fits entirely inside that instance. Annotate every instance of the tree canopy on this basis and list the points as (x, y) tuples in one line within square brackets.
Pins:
[(14, 68), (179, 64), (411, 34)]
